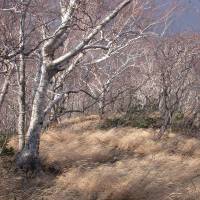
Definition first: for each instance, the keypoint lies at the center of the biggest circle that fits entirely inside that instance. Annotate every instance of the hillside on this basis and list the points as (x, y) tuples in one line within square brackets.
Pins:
[(82, 162)]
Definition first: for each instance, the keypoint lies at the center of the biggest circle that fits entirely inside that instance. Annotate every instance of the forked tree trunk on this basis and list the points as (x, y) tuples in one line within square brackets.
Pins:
[(28, 157)]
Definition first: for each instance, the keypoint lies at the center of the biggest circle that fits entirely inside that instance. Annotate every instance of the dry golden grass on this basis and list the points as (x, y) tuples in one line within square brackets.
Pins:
[(116, 164)]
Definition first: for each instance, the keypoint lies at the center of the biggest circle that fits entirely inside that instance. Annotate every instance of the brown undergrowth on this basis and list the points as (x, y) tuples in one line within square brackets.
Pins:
[(83, 162)]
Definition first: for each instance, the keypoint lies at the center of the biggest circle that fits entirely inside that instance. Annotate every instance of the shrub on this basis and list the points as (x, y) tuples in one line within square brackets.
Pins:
[(4, 149), (113, 122), (143, 122), (138, 119), (178, 116)]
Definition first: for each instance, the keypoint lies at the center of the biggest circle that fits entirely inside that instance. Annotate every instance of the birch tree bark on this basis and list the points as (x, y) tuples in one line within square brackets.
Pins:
[(21, 103), (5, 87), (21, 93), (21, 72)]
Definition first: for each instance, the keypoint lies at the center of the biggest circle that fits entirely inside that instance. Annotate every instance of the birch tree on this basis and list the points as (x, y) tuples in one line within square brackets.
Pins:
[(16, 59), (50, 67)]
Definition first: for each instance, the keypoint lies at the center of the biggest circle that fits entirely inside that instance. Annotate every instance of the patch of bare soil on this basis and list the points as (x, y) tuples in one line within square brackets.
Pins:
[(82, 162)]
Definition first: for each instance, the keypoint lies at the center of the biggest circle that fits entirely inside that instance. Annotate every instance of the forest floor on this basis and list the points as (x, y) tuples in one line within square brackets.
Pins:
[(84, 162)]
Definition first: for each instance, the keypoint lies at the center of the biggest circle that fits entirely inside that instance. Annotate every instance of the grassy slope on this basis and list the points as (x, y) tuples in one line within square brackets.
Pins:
[(116, 164)]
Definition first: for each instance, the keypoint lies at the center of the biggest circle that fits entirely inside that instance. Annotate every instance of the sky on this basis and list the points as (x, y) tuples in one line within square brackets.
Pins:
[(188, 18)]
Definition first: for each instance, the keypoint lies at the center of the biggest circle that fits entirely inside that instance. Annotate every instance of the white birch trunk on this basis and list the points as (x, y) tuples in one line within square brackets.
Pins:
[(21, 103), (29, 154), (5, 87), (4, 91), (22, 84)]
